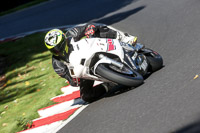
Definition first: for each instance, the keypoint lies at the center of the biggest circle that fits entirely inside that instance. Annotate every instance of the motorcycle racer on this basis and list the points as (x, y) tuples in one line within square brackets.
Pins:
[(59, 45)]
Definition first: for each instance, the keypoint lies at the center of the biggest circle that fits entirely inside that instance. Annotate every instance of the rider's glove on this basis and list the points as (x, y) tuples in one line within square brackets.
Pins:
[(90, 30)]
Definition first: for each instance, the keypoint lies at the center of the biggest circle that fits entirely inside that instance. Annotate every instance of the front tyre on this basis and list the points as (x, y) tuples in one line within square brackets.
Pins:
[(122, 77)]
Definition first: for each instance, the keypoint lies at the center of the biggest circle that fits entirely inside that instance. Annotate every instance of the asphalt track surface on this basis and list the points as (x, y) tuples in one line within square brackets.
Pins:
[(169, 100)]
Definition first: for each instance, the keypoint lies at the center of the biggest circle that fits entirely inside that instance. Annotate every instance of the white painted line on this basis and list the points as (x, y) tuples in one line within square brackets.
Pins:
[(59, 111), (69, 89), (44, 129), (56, 126), (61, 107), (40, 30), (69, 119)]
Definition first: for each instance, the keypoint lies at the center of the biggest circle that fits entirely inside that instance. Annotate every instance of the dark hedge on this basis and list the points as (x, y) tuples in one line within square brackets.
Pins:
[(9, 4)]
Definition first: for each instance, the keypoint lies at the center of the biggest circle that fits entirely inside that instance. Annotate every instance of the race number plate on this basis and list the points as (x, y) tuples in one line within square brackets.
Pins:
[(144, 65)]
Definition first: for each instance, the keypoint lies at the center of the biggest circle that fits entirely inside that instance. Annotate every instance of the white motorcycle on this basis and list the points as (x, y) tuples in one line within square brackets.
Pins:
[(109, 60)]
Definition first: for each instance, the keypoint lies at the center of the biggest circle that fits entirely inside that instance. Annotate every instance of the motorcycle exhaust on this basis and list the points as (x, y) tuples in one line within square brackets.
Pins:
[(118, 64)]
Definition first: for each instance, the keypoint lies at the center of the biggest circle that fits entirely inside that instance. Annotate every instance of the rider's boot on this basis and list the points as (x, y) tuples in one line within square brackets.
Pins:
[(125, 37), (132, 40)]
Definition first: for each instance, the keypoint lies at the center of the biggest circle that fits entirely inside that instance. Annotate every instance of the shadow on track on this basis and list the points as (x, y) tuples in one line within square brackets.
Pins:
[(120, 16), (191, 128), (87, 11)]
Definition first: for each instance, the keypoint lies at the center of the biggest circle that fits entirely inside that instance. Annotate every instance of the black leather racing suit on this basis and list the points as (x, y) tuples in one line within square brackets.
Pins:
[(87, 91)]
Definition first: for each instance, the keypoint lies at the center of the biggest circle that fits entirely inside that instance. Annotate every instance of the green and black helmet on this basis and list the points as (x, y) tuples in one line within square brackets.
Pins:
[(56, 41)]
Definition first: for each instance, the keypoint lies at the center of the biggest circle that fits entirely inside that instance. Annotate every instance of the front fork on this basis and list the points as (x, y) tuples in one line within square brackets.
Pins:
[(137, 61), (131, 59)]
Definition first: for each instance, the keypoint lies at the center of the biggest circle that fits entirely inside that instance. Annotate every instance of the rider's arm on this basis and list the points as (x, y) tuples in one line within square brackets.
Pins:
[(105, 32), (62, 70), (101, 31), (76, 32), (89, 30)]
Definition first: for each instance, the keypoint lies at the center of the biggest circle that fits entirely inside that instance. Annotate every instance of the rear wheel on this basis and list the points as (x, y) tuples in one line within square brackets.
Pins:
[(123, 76), (154, 59)]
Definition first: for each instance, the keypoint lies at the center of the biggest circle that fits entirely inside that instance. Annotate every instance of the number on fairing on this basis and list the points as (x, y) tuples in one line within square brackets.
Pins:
[(111, 45), (144, 65)]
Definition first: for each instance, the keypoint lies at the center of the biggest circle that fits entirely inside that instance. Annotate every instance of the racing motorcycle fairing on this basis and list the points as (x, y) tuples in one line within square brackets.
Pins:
[(87, 49), (93, 58)]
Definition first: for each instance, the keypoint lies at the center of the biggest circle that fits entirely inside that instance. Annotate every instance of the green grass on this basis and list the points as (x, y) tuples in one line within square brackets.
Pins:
[(31, 82), (34, 2)]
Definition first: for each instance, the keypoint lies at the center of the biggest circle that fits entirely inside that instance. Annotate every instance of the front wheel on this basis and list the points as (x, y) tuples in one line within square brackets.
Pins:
[(125, 77)]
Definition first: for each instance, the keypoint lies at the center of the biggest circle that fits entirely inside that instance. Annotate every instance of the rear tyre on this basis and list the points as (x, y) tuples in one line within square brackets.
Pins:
[(154, 59), (123, 77)]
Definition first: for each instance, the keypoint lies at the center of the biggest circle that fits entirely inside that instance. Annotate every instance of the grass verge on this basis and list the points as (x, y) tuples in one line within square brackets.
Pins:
[(31, 82)]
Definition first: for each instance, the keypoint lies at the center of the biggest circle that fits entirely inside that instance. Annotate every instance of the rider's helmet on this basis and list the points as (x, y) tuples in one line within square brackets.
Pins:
[(56, 41)]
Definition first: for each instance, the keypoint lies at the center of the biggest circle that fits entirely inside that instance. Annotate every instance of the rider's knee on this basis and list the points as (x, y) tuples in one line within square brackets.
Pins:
[(87, 98)]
